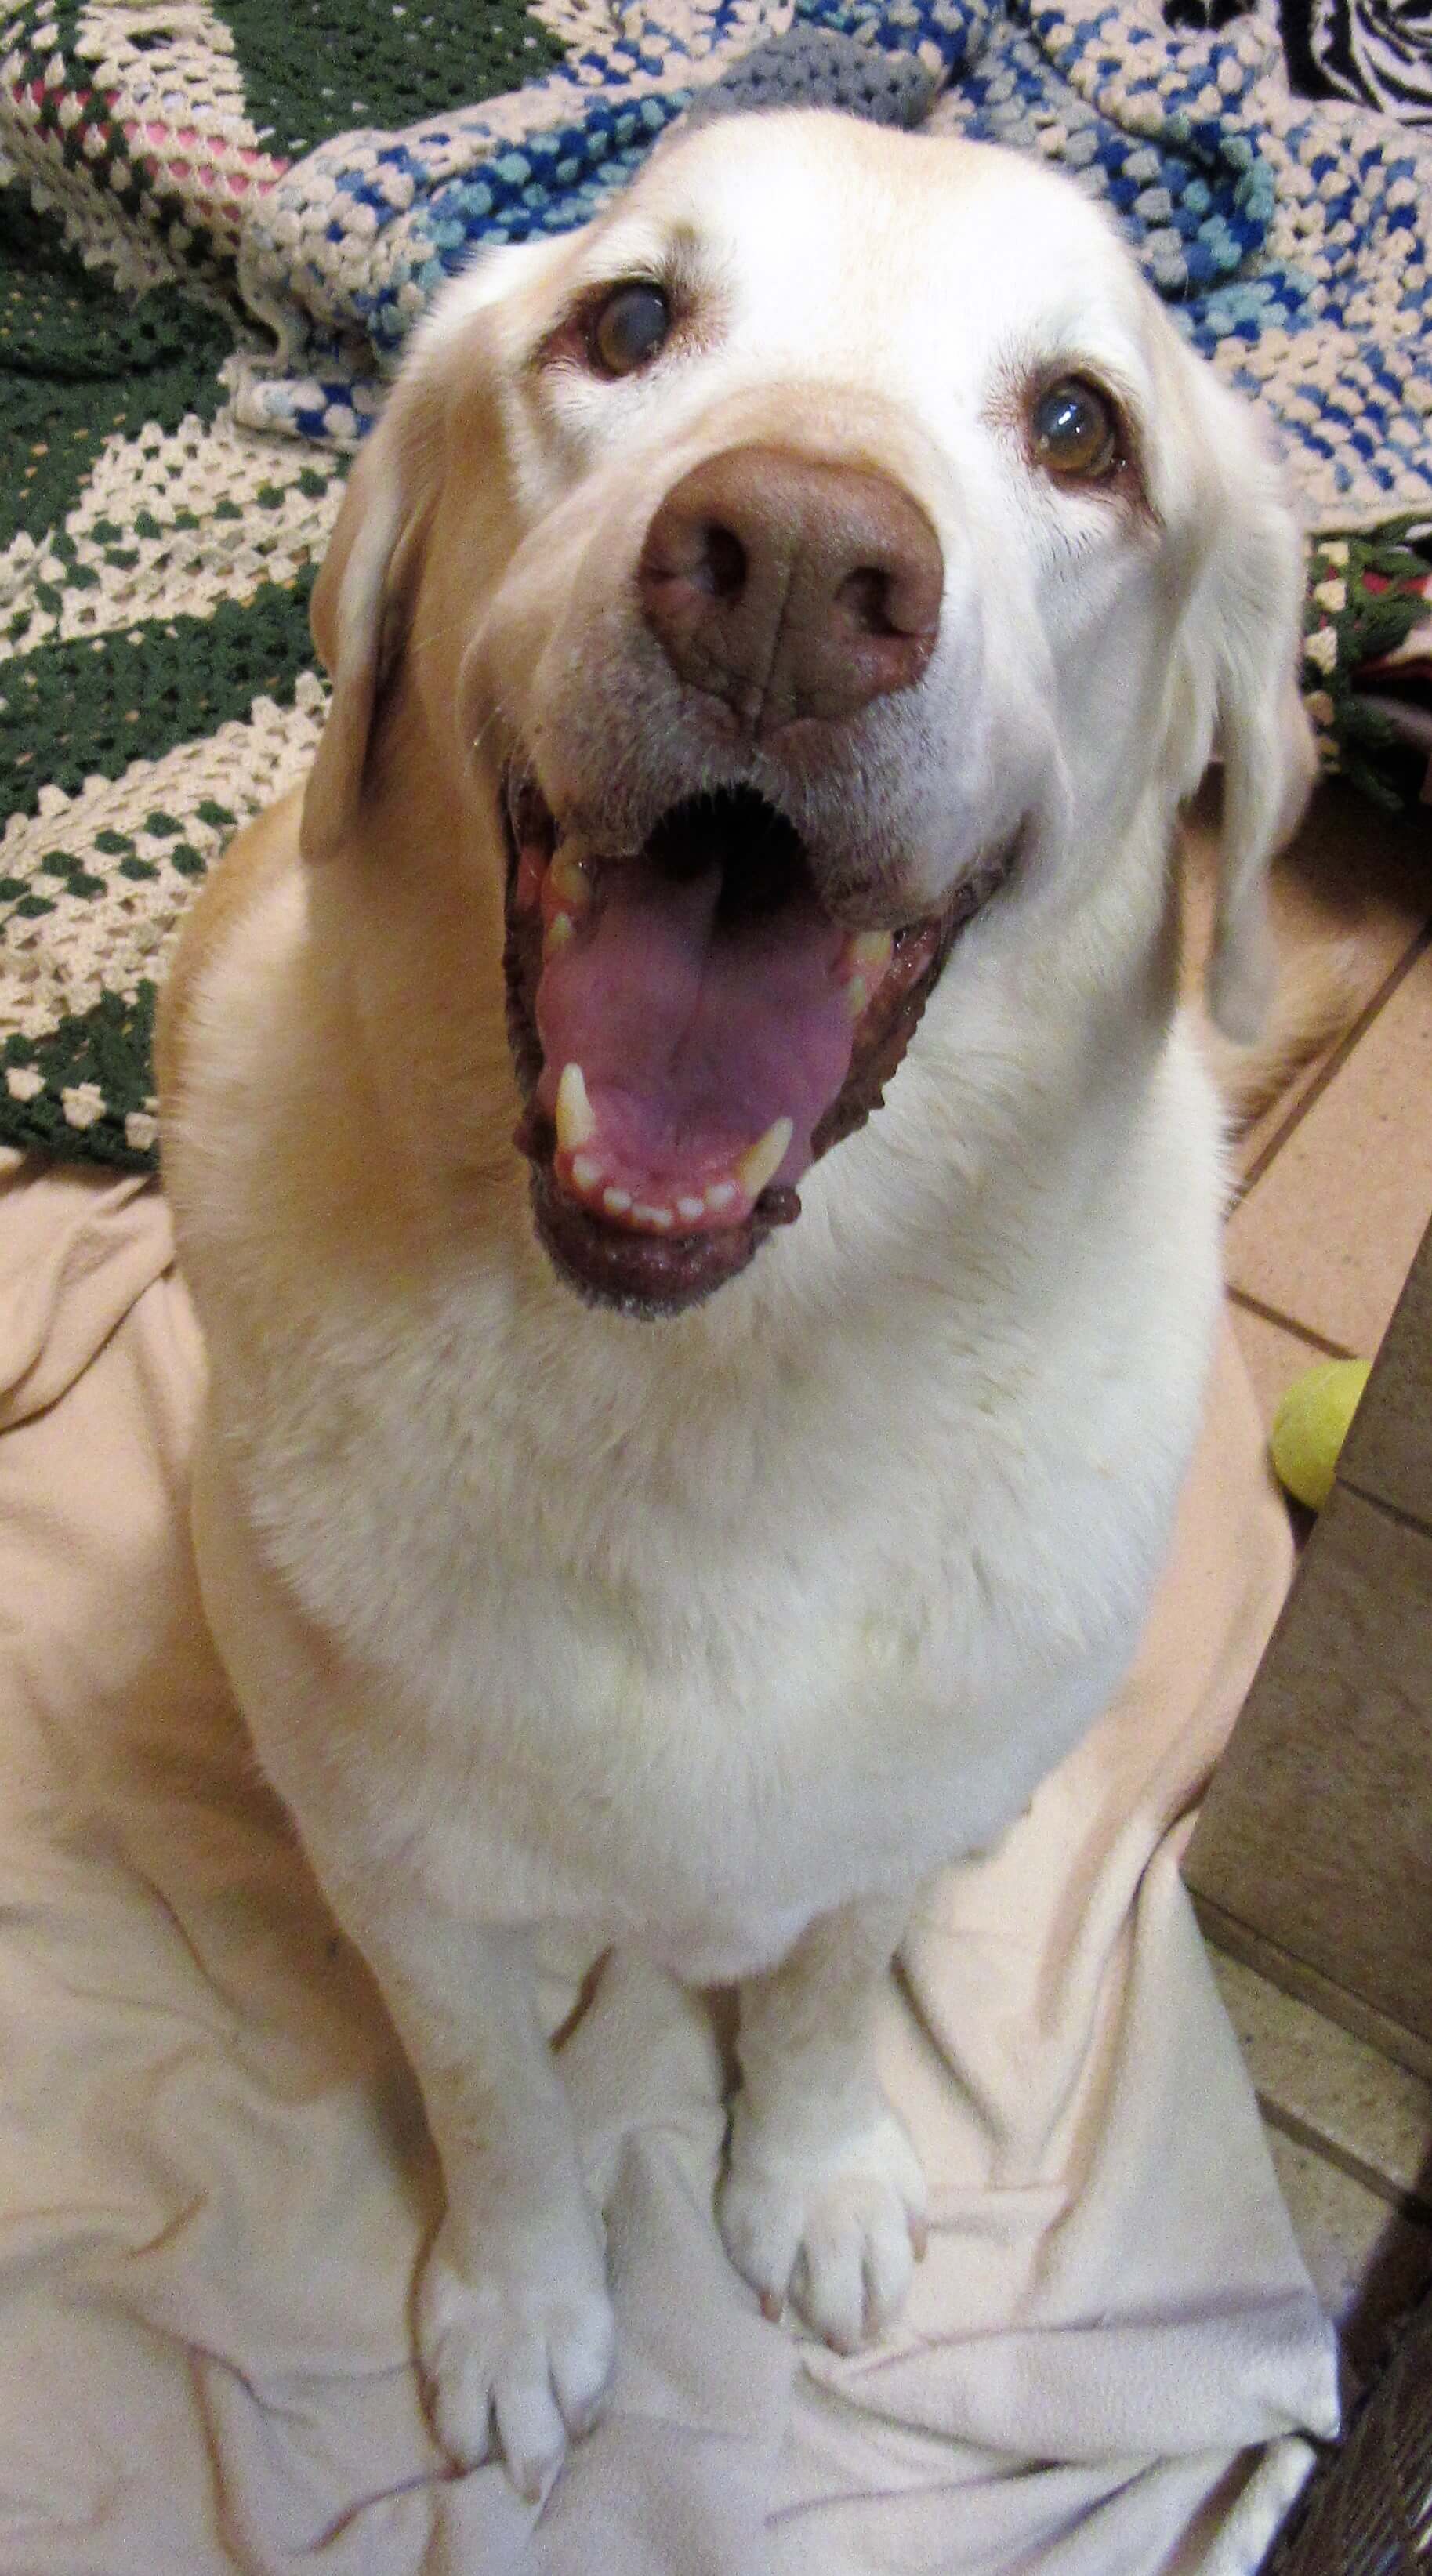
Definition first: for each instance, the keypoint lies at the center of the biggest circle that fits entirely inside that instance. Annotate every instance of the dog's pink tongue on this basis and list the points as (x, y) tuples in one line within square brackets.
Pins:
[(697, 1041)]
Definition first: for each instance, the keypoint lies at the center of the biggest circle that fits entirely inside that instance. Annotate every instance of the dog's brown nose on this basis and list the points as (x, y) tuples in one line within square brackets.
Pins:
[(789, 587)]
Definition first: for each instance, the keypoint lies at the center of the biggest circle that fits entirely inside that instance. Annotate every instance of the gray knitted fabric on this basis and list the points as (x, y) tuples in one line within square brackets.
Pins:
[(817, 67)]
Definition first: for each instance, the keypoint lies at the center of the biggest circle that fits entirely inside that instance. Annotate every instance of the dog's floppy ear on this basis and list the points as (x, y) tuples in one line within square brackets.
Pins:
[(362, 602), (366, 593), (1235, 689)]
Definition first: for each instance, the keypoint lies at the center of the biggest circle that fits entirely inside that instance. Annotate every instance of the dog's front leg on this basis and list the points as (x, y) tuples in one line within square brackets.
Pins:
[(823, 2197), (514, 2324)]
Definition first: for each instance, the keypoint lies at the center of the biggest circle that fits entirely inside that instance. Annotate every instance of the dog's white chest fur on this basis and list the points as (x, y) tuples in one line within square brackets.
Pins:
[(693, 1639)]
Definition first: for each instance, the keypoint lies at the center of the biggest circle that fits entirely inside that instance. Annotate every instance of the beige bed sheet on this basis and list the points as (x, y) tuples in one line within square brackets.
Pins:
[(215, 2183)]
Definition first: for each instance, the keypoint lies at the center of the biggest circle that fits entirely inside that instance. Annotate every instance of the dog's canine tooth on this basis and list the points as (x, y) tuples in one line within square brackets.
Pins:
[(568, 878), (576, 1125), (559, 931), (761, 1161), (660, 1217), (870, 951), (616, 1202), (857, 996), (586, 1173)]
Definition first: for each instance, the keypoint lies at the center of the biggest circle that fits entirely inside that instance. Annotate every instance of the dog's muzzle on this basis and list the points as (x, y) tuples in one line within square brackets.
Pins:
[(714, 962)]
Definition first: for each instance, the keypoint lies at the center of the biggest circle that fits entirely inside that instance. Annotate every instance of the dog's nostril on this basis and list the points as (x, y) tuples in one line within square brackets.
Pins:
[(724, 565), (899, 599), (864, 598)]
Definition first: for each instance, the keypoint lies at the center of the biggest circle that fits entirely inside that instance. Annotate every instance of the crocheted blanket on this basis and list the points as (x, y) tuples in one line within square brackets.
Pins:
[(219, 222)]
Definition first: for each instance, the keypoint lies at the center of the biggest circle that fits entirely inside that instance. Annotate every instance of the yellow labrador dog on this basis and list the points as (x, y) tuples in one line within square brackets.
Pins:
[(702, 1205)]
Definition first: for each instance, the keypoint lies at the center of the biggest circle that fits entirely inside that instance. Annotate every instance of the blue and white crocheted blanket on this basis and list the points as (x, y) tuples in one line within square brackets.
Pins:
[(1290, 237)]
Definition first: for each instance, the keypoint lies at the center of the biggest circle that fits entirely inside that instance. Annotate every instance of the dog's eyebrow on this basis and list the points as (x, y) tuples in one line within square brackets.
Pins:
[(669, 254)]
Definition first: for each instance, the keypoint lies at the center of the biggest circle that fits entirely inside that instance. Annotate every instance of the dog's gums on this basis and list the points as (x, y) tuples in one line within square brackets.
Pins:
[(691, 1030)]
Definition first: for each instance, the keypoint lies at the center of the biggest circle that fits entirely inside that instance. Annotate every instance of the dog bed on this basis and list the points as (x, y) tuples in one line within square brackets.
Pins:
[(215, 2184)]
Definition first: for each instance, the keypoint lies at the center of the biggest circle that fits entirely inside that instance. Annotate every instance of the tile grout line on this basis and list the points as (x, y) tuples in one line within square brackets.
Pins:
[(1303, 2133), (1315, 1340), (1327, 1073), (1317, 1988), (1390, 1511)]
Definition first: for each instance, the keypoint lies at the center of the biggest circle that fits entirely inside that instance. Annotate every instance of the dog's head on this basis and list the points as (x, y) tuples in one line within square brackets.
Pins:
[(831, 541)]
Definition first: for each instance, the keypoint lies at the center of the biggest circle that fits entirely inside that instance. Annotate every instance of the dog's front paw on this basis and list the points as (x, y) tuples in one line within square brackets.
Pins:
[(834, 2221), (515, 2337)]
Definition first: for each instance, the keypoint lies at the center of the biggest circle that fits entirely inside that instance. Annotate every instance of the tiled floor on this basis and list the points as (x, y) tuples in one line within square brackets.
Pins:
[(1336, 1193)]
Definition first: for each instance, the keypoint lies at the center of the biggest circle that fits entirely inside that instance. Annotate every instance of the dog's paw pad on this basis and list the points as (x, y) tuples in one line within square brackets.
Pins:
[(834, 2226), (515, 2359)]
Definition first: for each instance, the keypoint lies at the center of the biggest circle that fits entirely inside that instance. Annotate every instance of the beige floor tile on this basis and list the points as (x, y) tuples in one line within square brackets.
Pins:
[(1354, 882), (1326, 1235), (1367, 2263), (1273, 1354), (1376, 2114)]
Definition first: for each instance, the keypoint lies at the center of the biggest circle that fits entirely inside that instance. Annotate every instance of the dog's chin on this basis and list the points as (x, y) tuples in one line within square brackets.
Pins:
[(644, 1275), (692, 1027)]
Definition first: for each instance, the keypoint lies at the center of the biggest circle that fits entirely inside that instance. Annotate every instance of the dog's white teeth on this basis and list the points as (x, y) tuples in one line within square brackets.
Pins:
[(761, 1162), (568, 878), (871, 952), (582, 1169), (867, 955), (576, 1125), (576, 1128), (559, 931)]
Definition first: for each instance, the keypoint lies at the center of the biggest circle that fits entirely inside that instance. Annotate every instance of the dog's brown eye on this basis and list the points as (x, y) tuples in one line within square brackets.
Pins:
[(1076, 434), (628, 329)]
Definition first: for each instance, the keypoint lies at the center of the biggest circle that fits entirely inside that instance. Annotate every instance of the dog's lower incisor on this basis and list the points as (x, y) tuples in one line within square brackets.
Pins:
[(701, 1199)]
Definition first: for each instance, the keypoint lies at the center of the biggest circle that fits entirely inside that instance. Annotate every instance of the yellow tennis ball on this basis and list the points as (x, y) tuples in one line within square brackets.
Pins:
[(1312, 1423)]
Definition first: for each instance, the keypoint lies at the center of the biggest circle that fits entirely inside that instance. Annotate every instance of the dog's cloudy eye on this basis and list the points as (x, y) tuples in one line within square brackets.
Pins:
[(1075, 432), (628, 329)]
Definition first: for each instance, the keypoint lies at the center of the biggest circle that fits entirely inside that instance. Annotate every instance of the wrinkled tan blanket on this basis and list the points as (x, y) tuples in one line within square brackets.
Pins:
[(215, 2183)]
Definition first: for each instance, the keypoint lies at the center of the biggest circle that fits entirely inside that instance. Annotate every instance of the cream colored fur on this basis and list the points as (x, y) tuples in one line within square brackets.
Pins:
[(718, 1635)]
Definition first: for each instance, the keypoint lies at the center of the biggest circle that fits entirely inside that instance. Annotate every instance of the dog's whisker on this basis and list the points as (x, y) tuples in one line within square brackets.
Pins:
[(487, 727)]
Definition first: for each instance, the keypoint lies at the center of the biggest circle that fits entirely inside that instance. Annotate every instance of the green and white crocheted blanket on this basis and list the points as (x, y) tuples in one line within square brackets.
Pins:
[(218, 219)]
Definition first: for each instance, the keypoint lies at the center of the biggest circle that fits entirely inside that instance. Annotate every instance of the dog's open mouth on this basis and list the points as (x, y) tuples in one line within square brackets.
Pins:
[(691, 1029)]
